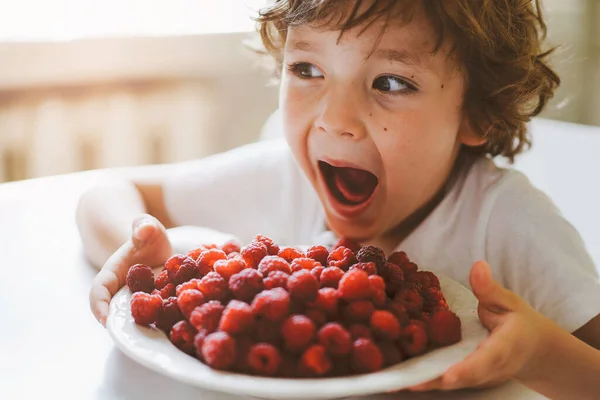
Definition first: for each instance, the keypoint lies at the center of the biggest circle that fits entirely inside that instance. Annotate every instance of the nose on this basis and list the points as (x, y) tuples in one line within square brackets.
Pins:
[(341, 113)]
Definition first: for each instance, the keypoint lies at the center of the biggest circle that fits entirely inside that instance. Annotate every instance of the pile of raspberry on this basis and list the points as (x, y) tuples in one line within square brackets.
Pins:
[(275, 311)]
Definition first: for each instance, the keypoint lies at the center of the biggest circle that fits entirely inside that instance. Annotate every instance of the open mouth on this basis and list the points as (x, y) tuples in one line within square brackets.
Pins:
[(349, 186)]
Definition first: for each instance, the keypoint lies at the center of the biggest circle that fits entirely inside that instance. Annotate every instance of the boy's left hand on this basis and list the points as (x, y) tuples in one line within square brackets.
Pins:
[(516, 339)]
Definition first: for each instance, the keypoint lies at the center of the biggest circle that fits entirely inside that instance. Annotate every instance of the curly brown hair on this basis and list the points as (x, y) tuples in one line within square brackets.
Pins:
[(508, 78)]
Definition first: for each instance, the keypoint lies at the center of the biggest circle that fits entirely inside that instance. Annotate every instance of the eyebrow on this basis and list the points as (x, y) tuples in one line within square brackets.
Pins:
[(303, 46), (401, 56)]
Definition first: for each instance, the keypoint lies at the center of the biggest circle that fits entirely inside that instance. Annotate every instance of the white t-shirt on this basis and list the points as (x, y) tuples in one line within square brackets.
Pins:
[(489, 213)]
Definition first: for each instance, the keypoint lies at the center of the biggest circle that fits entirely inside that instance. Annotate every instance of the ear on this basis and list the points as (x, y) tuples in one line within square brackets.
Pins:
[(467, 135)]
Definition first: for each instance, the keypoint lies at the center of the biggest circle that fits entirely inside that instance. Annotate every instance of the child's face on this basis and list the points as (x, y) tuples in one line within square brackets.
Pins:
[(378, 136)]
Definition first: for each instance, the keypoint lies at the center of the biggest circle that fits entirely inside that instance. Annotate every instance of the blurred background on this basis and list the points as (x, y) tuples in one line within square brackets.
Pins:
[(88, 84)]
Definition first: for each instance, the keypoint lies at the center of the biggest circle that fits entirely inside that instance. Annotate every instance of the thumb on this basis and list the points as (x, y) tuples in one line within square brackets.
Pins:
[(146, 229), (489, 292), (151, 243)]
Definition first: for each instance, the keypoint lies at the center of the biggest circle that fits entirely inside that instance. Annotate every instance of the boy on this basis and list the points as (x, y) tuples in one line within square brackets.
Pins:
[(392, 111)]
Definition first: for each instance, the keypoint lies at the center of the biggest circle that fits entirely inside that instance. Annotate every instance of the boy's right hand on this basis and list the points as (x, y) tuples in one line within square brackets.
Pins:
[(149, 245)]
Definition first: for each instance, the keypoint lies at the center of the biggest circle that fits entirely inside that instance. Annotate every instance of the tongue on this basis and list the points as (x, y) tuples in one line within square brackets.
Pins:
[(356, 185)]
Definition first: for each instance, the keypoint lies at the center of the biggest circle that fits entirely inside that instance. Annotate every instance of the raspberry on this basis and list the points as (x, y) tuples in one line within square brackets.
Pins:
[(198, 342), (335, 338), (231, 246), (172, 265), (162, 280), (168, 291), (434, 300), (348, 243), (368, 267), (391, 353), (331, 276), (229, 267), (316, 316), (140, 278), (341, 257), (264, 359), (411, 299), (359, 331), (393, 276), (297, 331), (273, 263), (145, 307), (372, 254), (187, 270), (326, 301), (219, 350), (409, 268), (272, 304), (207, 260), (378, 290), (445, 328), (207, 316), (266, 331), (209, 246), (182, 336), (385, 325), (235, 254), (303, 286), (276, 279), (195, 253), (253, 253), (366, 356), (290, 254), (305, 263), (426, 279), (359, 311), (169, 315), (188, 300), (399, 258), (316, 272), (272, 248), (244, 343), (191, 284), (214, 287), (399, 312), (316, 360), (355, 285), (318, 253), (246, 284), (413, 339), (237, 318)]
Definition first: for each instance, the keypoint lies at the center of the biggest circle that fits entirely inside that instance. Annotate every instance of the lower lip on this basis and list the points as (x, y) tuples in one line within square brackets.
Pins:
[(345, 210)]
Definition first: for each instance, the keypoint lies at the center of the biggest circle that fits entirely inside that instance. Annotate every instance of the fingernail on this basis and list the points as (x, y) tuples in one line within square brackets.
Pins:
[(141, 232)]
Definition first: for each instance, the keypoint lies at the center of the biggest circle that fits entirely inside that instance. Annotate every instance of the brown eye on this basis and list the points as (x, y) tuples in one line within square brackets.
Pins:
[(392, 85), (305, 70)]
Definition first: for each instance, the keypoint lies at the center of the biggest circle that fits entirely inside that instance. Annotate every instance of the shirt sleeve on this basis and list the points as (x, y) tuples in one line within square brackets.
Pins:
[(534, 251)]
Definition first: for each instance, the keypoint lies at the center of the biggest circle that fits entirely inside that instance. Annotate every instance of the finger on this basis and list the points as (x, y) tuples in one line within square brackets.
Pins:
[(99, 302), (427, 386), (145, 229), (488, 291)]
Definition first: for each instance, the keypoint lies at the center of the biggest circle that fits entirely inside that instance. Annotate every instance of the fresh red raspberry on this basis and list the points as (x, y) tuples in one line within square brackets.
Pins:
[(228, 268), (366, 356), (391, 353), (219, 350), (162, 280), (174, 262), (303, 286), (298, 331), (214, 287), (188, 300), (264, 359), (372, 254), (326, 301), (140, 279), (243, 345), (187, 270), (145, 307), (399, 312), (272, 304), (445, 328), (399, 258), (368, 267), (276, 279), (318, 253), (316, 316), (426, 279), (182, 336), (359, 311), (253, 253), (237, 318), (409, 268), (198, 342), (316, 272), (413, 339), (305, 263), (272, 248), (208, 258), (167, 291), (207, 316), (393, 276), (290, 254), (195, 253), (378, 290), (169, 315), (231, 246), (209, 246), (385, 325), (191, 284), (273, 263), (434, 300), (355, 285), (246, 284), (336, 339), (235, 254), (331, 276), (316, 360), (348, 243), (411, 299), (267, 331), (342, 257), (360, 331)]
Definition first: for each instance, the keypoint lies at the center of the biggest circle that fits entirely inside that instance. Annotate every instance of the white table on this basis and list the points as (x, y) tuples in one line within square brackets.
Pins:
[(50, 344)]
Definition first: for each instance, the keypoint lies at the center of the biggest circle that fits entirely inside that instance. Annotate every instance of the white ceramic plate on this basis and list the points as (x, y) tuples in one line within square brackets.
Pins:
[(151, 348)]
